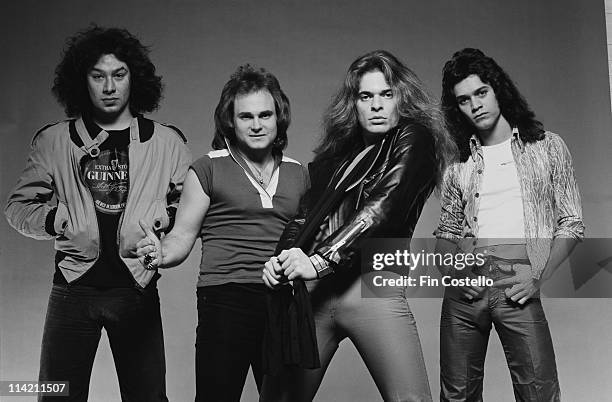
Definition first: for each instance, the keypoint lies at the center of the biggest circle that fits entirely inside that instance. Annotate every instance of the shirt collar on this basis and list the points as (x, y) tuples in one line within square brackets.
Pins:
[(476, 145), (237, 155)]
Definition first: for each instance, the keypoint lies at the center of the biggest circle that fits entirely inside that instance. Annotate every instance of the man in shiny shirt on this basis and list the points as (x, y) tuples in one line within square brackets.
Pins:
[(512, 197)]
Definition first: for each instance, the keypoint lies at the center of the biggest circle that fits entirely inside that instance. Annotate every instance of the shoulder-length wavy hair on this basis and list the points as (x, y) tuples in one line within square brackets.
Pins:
[(512, 105), (83, 51), (342, 132), (245, 80)]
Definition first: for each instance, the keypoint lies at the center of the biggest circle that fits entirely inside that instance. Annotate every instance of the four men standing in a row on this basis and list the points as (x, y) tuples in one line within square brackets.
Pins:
[(507, 189)]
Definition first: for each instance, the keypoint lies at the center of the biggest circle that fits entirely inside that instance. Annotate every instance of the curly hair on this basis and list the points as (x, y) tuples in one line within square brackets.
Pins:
[(83, 51), (245, 80), (512, 105), (342, 132)]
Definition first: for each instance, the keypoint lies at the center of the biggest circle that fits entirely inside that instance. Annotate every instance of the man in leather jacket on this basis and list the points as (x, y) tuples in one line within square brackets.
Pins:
[(377, 164)]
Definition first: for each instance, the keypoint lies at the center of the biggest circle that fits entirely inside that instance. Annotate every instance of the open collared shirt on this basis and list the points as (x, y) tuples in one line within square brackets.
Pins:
[(551, 199)]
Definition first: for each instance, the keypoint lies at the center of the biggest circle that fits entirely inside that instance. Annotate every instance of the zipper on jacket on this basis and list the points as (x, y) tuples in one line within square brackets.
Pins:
[(118, 241), (120, 224), (352, 234), (95, 215), (359, 194)]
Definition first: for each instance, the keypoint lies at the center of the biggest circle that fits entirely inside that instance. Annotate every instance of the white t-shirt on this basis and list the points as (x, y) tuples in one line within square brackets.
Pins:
[(500, 215)]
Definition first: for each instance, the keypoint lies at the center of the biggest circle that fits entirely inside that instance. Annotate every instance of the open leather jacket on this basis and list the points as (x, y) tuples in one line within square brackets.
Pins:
[(388, 189), (381, 196)]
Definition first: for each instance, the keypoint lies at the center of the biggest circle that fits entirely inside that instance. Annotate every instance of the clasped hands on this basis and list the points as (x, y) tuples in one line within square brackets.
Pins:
[(288, 265)]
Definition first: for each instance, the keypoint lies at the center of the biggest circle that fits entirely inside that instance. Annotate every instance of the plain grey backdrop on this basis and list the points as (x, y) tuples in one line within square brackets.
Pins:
[(555, 50)]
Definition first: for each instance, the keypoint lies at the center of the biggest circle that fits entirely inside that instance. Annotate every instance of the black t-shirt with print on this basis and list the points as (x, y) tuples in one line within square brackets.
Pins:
[(107, 177)]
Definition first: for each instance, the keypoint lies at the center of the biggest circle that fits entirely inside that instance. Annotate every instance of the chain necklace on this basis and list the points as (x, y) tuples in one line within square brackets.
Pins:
[(258, 173)]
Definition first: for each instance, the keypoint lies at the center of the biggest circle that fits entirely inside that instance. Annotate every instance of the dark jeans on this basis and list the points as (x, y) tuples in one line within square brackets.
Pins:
[(229, 336), (75, 317), (523, 330)]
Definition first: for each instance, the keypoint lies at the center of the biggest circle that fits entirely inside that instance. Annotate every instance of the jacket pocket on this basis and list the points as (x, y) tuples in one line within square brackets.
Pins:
[(75, 232), (161, 220), (154, 213), (62, 219)]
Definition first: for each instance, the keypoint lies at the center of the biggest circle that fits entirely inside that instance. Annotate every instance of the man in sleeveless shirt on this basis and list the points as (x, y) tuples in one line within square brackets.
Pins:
[(237, 199)]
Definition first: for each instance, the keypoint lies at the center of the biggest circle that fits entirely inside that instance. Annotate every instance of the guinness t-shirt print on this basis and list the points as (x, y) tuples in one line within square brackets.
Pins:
[(107, 174)]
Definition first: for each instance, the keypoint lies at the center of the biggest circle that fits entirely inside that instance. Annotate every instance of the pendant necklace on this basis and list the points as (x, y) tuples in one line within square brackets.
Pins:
[(259, 173), (115, 162)]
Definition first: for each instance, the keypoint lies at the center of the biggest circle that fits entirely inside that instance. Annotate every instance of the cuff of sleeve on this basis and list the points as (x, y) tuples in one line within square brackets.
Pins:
[(569, 234), (322, 266), (49, 221), (536, 273), (441, 234)]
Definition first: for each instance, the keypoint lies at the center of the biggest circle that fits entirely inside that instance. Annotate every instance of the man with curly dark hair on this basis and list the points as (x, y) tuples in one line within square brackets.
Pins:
[(108, 167), (512, 197)]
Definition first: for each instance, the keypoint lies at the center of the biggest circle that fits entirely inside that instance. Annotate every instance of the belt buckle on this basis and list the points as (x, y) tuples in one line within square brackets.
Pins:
[(509, 269)]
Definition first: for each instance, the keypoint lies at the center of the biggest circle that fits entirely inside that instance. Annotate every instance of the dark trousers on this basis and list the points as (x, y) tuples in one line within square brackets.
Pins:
[(523, 330), (229, 336), (75, 317)]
